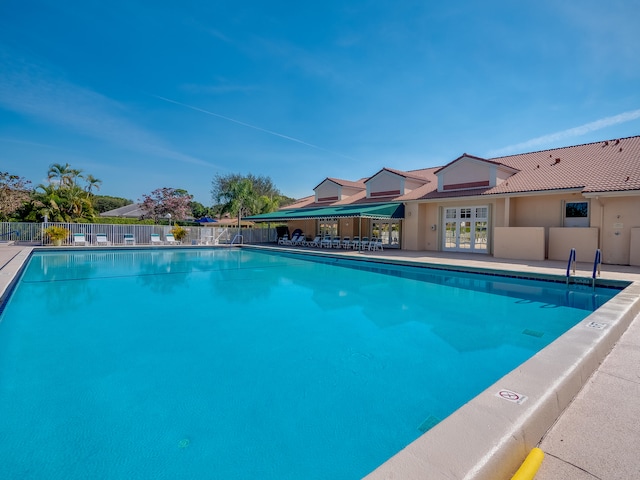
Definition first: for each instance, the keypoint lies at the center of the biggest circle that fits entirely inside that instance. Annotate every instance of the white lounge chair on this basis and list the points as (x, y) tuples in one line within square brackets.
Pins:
[(283, 239), (302, 239), (364, 244), (293, 240), (346, 241), (79, 239), (375, 244), (170, 239), (355, 243), (155, 239), (101, 239), (315, 242), (129, 239), (335, 243), (326, 242)]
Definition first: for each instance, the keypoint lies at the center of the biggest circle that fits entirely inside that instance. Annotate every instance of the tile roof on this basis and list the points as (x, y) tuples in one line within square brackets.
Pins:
[(606, 166)]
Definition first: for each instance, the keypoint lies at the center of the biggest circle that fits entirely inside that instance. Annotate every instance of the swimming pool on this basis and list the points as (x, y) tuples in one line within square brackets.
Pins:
[(240, 364)]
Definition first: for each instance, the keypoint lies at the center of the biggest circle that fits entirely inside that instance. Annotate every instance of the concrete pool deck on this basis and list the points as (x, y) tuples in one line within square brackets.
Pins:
[(596, 432)]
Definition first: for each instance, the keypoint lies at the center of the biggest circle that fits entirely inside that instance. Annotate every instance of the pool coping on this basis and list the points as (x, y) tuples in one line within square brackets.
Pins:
[(488, 437)]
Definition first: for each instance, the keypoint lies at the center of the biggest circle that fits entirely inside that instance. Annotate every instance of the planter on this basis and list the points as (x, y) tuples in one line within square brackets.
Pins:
[(57, 243)]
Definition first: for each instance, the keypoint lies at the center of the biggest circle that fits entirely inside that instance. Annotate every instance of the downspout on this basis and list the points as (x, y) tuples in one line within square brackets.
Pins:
[(360, 234)]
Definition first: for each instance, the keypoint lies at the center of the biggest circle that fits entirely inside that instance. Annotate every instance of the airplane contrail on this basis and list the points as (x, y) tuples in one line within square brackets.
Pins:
[(571, 132), (244, 124)]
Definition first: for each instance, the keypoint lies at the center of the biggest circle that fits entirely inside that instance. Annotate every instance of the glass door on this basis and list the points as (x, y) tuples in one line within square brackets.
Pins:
[(465, 229)]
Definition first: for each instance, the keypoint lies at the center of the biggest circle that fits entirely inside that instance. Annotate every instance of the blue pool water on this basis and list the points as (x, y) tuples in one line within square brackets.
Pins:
[(236, 364)]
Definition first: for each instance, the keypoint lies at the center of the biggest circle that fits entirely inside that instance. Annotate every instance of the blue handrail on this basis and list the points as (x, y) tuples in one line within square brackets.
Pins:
[(572, 261), (596, 267), (9, 233)]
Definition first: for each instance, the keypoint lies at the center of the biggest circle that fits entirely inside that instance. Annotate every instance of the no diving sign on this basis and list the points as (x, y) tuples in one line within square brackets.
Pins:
[(511, 396)]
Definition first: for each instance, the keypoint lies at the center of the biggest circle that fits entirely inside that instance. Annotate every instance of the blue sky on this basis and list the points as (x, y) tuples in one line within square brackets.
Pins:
[(150, 94)]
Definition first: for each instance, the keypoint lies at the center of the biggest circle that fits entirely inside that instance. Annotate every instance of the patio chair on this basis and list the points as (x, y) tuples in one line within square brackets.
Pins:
[(364, 244), (335, 243), (314, 243), (155, 239), (79, 239), (283, 239), (129, 239), (375, 244), (326, 242), (346, 241), (302, 239), (355, 243), (293, 240), (101, 239), (170, 239)]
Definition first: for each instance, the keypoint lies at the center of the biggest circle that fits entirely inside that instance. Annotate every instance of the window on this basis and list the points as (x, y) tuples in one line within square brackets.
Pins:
[(576, 214)]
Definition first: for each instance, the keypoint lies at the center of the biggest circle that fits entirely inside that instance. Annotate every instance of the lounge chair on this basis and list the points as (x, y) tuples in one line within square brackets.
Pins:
[(375, 244), (335, 243), (293, 240), (283, 240), (355, 243), (364, 244), (79, 239), (101, 239), (315, 242), (155, 239), (326, 242), (301, 240), (129, 239), (170, 239), (346, 241)]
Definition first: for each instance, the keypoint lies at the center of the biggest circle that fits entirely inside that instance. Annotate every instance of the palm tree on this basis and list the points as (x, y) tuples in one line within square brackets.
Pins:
[(92, 183), (63, 175)]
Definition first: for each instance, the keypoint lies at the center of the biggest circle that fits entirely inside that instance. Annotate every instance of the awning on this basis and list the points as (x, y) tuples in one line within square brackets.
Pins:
[(377, 211)]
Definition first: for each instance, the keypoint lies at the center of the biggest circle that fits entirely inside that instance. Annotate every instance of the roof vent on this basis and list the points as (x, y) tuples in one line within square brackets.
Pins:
[(556, 162), (606, 143), (620, 149), (626, 179), (617, 142)]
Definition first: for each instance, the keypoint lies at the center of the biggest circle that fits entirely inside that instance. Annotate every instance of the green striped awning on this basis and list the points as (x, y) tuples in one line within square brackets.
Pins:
[(377, 211)]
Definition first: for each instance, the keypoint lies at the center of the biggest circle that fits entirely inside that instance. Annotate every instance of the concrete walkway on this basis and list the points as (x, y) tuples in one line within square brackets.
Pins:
[(597, 436)]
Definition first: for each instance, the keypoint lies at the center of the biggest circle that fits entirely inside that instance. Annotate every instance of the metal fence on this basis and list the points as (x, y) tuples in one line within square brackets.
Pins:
[(33, 233)]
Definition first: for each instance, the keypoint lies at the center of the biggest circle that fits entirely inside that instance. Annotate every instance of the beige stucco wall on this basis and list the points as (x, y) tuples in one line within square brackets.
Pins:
[(562, 240), (619, 216), (465, 171), (384, 182), (634, 250), (523, 243)]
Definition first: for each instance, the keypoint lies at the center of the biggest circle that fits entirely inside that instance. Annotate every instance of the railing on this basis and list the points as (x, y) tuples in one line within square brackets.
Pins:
[(596, 267), (33, 233), (237, 237), (571, 263)]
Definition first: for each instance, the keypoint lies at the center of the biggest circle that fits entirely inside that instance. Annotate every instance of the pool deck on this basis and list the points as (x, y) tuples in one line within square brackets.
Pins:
[(595, 437)]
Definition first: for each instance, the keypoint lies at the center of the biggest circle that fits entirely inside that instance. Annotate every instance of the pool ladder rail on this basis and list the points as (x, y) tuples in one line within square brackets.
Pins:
[(597, 262)]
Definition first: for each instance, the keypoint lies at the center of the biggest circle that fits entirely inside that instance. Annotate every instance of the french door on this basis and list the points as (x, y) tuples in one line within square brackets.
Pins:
[(466, 229)]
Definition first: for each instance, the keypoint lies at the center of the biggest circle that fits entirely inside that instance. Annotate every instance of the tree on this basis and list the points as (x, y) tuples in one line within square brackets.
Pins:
[(63, 199), (259, 194), (166, 201), (14, 192), (239, 199), (104, 203), (93, 183), (63, 175)]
